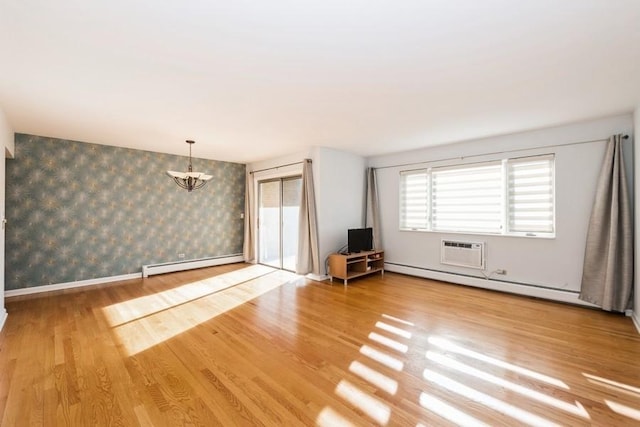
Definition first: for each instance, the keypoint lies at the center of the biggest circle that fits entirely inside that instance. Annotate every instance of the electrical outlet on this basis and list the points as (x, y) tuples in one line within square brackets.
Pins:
[(501, 271), (180, 255)]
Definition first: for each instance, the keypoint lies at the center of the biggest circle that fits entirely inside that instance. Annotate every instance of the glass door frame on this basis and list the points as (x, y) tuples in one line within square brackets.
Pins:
[(281, 188), (261, 223)]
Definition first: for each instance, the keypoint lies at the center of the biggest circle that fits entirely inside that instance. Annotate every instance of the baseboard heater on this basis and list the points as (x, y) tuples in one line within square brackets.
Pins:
[(170, 267), (512, 287)]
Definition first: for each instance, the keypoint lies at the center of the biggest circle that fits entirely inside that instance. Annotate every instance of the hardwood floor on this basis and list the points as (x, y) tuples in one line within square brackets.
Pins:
[(247, 345)]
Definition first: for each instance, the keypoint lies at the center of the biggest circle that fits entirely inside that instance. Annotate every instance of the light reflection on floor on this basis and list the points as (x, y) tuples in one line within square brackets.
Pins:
[(388, 342), (525, 417), (389, 350), (619, 389), (381, 381), (382, 358), (448, 411), (615, 385), (372, 407), (625, 410), (329, 417), (137, 308), (575, 408), (145, 322), (450, 367)]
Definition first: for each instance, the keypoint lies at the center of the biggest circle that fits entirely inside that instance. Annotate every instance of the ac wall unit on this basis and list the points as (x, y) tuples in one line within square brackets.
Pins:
[(463, 254)]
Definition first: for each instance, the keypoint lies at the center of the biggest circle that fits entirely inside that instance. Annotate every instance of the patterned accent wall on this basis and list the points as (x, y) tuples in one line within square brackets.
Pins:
[(79, 211)]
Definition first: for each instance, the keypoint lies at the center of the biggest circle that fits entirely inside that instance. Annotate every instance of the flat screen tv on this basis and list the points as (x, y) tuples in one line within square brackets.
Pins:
[(360, 239)]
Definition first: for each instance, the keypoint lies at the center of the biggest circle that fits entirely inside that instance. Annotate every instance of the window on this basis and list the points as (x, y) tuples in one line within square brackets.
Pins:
[(414, 196), (467, 198), (510, 196), (530, 185)]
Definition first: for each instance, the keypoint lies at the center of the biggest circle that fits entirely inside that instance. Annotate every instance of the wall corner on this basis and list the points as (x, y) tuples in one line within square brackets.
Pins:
[(636, 162), (7, 136), (635, 316)]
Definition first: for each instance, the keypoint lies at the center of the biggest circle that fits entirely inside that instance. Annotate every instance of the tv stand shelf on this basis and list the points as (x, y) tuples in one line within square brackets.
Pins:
[(350, 266)]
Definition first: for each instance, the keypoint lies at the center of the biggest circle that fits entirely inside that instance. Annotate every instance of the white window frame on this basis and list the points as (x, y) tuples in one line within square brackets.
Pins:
[(505, 210)]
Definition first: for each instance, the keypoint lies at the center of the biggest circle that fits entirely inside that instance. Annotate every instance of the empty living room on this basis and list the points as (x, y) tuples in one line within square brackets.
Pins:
[(418, 213)]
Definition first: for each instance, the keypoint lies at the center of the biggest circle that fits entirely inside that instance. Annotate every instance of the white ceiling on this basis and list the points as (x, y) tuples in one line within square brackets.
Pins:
[(251, 80)]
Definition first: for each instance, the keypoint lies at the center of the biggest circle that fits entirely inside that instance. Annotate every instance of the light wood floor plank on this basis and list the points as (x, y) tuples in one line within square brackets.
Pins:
[(246, 345)]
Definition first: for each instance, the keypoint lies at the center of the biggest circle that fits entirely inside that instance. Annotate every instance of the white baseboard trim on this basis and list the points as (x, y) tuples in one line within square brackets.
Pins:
[(636, 319), (164, 268), (70, 285), (170, 267), (513, 288), (316, 277), (3, 317)]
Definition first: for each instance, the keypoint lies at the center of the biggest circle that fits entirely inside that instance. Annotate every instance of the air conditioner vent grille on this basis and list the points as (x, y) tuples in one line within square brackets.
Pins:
[(463, 254)]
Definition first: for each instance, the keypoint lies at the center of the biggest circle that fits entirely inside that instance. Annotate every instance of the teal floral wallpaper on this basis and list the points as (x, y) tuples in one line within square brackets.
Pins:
[(79, 211)]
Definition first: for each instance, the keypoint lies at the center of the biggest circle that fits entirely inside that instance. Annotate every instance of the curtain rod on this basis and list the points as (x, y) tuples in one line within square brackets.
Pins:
[(495, 152), (281, 166)]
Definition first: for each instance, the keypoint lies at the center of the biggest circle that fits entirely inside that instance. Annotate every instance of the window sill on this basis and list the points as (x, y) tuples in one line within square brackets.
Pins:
[(546, 236)]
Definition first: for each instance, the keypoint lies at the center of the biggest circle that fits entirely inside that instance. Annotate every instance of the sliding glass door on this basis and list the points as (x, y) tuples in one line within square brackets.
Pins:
[(278, 212)]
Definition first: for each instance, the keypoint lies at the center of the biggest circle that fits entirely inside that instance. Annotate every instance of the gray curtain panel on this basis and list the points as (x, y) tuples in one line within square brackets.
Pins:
[(249, 250), (607, 277), (308, 257), (373, 208)]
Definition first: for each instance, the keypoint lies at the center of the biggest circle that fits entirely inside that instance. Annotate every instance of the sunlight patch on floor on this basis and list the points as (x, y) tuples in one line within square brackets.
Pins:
[(372, 407), (634, 391), (145, 332), (395, 319), (328, 417), (388, 342), (575, 409), (136, 308), (363, 400), (486, 400), (394, 330), (374, 377), (455, 348), (448, 412), (382, 358), (625, 410)]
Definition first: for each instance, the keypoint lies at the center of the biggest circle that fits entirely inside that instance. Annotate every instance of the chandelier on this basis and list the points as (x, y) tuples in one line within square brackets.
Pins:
[(190, 180)]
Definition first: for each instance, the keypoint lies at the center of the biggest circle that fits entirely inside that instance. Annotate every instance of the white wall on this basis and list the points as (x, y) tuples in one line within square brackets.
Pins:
[(274, 166), (549, 263), (339, 181), (6, 141)]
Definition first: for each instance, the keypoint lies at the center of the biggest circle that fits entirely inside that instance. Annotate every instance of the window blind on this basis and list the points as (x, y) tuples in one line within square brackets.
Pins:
[(414, 200), (508, 196), (468, 198), (531, 194)]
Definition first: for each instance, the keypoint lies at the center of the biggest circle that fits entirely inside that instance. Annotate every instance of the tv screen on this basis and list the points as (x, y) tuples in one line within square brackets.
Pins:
[(360, 239)]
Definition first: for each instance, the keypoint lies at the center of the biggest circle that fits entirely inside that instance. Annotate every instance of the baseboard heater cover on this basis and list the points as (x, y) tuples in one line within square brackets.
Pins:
[(70, 285), (170, 267), (525, 289)]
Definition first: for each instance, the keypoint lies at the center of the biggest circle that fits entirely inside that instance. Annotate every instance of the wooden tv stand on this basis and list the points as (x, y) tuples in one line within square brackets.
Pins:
[(350, 266)]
